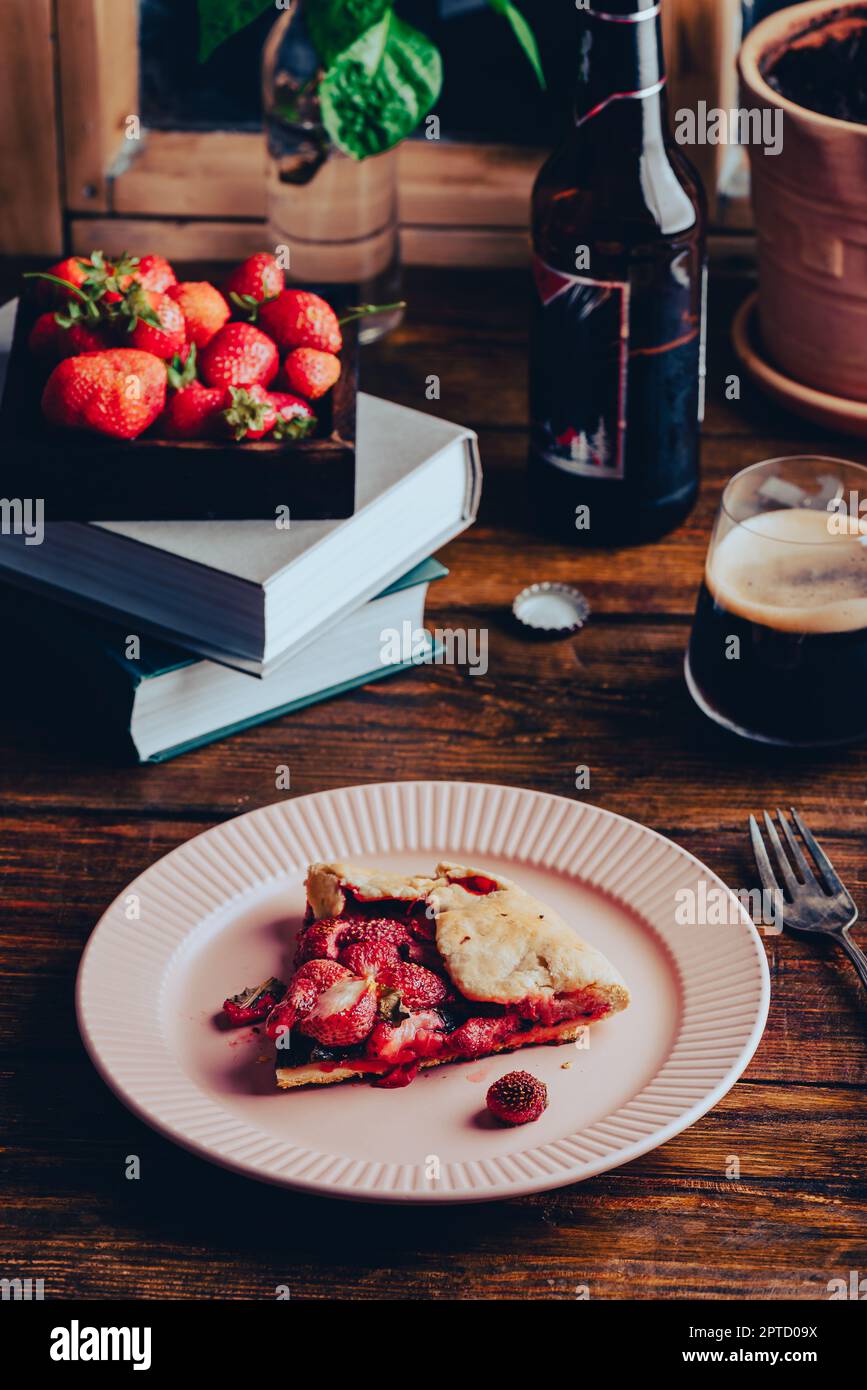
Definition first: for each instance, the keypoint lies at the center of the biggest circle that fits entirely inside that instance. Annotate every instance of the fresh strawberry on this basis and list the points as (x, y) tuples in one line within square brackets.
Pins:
[(204, 309), (250, 413), (418, 988), (155, 273), (298, 318), (252, 1005), (343, 1015), (109, 281), (153, 322), (310, 372), (314, 978), (257, 280), (239, 355), (119, 393), (51, 342), (73, 271), (295, 417), (517, 1098), (92, 278), (194, 412), (420, 1035)]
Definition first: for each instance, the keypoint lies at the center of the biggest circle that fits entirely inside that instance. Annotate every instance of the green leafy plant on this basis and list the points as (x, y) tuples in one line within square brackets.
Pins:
[(379, 76)]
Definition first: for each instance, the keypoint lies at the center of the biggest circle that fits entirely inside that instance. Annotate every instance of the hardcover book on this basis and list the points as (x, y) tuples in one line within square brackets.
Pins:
[(142, 698)]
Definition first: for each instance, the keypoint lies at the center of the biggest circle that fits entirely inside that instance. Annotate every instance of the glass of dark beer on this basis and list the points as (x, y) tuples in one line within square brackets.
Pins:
[(778, 651)]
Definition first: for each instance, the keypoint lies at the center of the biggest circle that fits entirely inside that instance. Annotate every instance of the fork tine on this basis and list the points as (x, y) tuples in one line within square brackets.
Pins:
[(826, 868), (785, 867), (797, 853), (763, 863)]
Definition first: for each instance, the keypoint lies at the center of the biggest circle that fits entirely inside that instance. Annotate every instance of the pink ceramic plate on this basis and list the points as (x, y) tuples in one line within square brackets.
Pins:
[(220, 913)]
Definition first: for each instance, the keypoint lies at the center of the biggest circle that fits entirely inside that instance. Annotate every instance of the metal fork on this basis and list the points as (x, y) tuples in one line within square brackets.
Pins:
[(810, 904)]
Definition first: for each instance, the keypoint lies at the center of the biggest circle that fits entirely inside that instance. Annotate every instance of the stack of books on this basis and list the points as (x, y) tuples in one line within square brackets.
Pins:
[(173, 634)]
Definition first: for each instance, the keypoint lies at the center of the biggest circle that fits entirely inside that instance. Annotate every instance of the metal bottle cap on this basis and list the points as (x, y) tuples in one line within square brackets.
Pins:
[(551, 610)]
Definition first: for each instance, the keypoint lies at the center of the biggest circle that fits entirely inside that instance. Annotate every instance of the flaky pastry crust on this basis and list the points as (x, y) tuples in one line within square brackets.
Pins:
[(502, 946)]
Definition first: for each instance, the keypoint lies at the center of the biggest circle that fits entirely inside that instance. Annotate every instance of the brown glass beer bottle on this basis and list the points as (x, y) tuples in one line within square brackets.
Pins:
[(617, 356)]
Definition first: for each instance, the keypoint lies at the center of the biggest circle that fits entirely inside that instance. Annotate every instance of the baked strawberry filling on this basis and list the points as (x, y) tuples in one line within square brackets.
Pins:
[(360, 1000)]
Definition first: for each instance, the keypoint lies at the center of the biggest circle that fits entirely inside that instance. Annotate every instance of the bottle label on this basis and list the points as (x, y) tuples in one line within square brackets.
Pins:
[(610, 351), (582, 373)]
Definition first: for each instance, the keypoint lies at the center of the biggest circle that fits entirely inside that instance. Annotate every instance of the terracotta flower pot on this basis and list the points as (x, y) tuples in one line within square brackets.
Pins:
[(810, 204)]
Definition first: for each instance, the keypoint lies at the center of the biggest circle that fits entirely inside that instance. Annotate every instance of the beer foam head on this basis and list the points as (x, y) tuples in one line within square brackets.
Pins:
[(788, 570)]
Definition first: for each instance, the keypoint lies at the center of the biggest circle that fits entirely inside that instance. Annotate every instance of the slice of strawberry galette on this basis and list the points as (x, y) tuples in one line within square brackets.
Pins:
[(393, 974)]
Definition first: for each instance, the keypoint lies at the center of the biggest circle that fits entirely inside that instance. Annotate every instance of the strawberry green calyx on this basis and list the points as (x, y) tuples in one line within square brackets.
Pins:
[(82, 308), (136, 308), (54, 280), (296, 427), (247, 415), (248, 305), (183, 373), (103, 277), (361, 311)]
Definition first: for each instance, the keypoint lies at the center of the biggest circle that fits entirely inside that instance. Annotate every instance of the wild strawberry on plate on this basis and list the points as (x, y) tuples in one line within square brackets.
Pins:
[(311, 373), (250, 414), (51, 341), (239, 355), (517, 1098), (251, 284), (204, 308), (119, 393), (298, 318)]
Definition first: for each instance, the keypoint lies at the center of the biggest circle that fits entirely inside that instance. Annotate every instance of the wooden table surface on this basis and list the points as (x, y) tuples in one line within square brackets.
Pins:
[(672, 1224)]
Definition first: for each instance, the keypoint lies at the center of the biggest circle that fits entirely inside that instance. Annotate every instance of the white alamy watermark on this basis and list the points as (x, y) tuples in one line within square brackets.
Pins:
[(23, 516), (713, 125), (709, 905), (847, 515), (77, 1343), (22, 1290), (443, 647), (855, 1287)]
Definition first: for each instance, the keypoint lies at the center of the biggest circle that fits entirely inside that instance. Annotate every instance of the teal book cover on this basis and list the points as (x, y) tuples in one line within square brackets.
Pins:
[(87, 675)]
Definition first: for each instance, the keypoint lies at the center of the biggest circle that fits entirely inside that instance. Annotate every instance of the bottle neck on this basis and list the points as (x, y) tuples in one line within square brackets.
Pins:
[(621, 64)]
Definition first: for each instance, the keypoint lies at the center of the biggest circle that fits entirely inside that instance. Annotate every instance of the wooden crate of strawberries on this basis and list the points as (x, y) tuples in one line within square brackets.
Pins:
[(131, 395)]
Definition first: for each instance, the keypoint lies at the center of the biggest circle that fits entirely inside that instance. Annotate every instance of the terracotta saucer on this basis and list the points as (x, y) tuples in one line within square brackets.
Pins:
[(833, 412)]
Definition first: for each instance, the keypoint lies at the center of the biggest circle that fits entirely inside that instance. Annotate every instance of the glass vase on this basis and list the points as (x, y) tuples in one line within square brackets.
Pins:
[(336, 216)]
